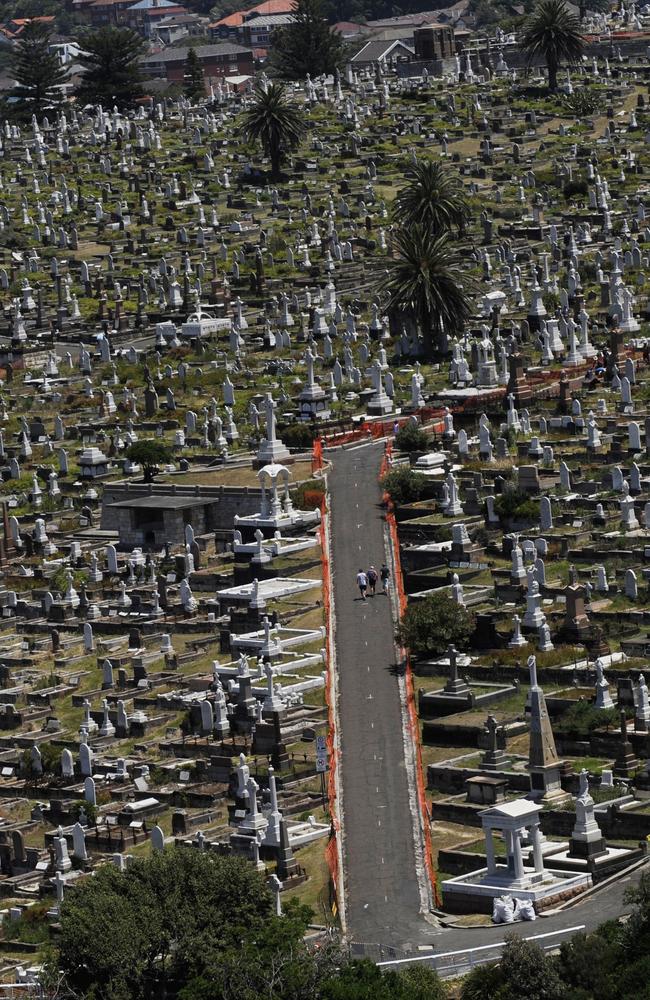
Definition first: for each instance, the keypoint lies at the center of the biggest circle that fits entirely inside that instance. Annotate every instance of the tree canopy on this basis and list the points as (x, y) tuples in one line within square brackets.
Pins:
[(430, 625), (424, 283), (39, 74), (111, 72), (307, 45), (201, 926), (404, 485), (162, 921), (433, 197), (553, 34), (411, 437), (193, 79), (273, 122), (149, 454)]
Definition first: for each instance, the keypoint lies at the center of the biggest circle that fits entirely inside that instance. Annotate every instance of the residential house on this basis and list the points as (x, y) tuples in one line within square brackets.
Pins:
[(257, 31), (231, 26), (382, 52), (219, 61), (172, 28), (145, 15), (107, 13)]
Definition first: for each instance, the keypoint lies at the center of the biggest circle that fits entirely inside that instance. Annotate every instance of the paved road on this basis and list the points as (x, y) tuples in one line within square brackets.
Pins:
[(382, 892), (383, 897), (607, 903)]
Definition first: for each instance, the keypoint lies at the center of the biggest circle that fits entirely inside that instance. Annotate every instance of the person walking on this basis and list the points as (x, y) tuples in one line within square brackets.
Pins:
[(362, 584), (384, 575), (372, 580)]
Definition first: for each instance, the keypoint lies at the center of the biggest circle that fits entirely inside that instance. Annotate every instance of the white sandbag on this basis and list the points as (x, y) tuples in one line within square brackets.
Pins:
[(503, 910)]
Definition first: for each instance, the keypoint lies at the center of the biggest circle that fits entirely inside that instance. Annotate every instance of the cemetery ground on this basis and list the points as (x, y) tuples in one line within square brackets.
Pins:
[(200, 385)]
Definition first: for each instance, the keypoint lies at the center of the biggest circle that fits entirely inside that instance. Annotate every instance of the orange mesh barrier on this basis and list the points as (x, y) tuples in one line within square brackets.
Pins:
[(317, 455), (413, 722), (381, 428), (331, 851)]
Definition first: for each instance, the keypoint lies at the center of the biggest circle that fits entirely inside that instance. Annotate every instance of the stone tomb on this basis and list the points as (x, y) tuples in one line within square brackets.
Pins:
[(545, 887)]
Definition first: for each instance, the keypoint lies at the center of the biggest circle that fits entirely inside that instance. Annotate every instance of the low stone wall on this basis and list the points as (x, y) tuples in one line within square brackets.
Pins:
[(450, 779), (614, 822)]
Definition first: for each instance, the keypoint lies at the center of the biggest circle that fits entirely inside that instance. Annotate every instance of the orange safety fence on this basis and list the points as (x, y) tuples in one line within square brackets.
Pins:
[(331, 851), (413, 722), (317, 455), (373, 430)]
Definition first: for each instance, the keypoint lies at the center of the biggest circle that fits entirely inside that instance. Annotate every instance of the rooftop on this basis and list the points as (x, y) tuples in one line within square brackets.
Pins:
[(179, 54), (161, 502)]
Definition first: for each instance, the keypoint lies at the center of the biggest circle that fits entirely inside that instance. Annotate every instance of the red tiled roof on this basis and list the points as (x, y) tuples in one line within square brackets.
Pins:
[(22, 21), (272, 7), (266, 7), (231, 21)]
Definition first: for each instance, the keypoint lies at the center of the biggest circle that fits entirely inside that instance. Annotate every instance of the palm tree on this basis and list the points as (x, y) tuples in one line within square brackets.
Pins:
[(424, 283), (433, 197), (553, 33), (273, 122)]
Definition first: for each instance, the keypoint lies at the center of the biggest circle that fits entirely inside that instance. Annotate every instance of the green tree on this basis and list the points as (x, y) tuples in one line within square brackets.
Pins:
[(514, 502), (583, 718), (50, 761), (274, 122), (363, 980), (552, 33), (637, 929), (39, 74), (410, 437), (528, 974), (430, 625), (433, 198), (483, 983), (587, 961), (223, 8), (111, 71), (422, 983), (149, 454), (194, 82), (307, 45), (274, 964), (404, 485), (424, 283), (165, 921)]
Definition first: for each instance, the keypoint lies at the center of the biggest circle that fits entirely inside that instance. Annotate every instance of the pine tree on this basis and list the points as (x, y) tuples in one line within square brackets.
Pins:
[(37, 72), (307, 45), (111, 73), (193, 81)]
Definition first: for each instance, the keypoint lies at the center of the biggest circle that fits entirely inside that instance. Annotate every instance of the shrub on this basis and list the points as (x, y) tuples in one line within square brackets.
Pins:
[(410, 438), (403, 485), (149, 454), (430, 625), (308, 495), (579, 721), (515, 503), (573, 189), (299, 436)]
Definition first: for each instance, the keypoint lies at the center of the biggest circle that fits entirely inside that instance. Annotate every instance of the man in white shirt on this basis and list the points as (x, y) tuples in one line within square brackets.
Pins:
[(362, 584)]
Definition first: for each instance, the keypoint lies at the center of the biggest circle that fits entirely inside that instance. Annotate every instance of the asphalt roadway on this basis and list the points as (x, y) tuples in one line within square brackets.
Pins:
[(382, 891), (383, 900)]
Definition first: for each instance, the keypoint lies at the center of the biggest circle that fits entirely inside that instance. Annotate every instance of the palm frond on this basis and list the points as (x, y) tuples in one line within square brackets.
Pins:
[(433, 197), (425, 280)]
